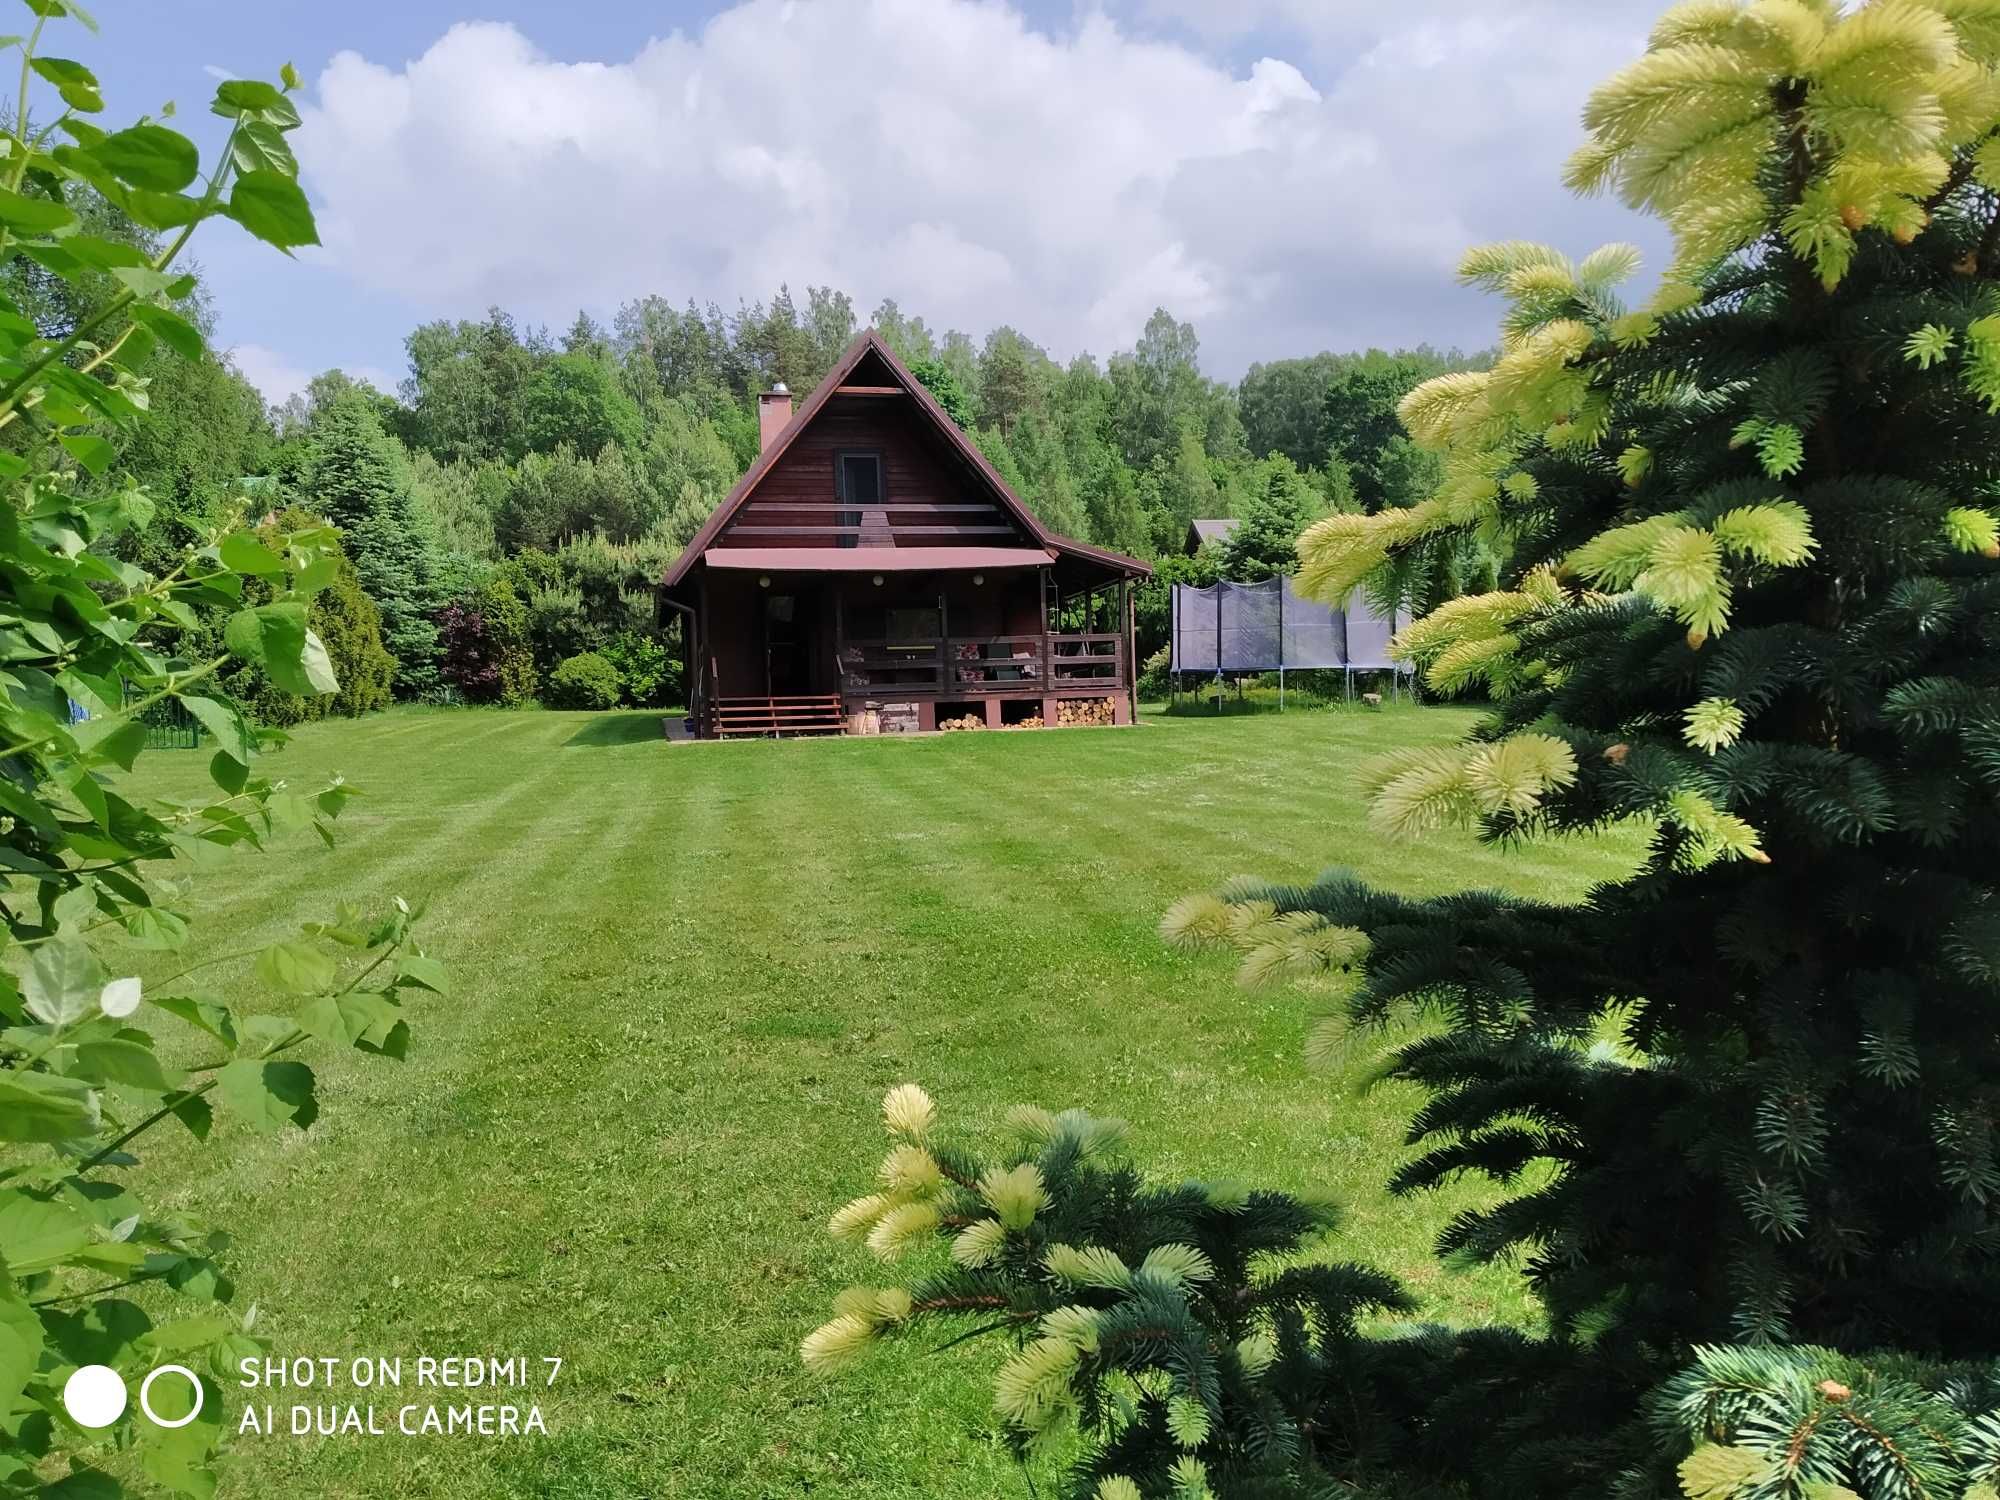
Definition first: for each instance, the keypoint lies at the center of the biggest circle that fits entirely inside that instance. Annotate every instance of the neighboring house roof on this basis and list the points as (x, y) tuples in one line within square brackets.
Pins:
[(1201, 533), (864, 343)]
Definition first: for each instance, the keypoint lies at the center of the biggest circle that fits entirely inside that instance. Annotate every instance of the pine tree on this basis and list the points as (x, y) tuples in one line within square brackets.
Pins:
[(1752, 1092), (359, 477), (1177, 1327), (1281, 503)]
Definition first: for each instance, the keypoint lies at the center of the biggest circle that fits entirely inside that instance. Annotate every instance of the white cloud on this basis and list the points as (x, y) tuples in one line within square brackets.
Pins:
[(279, 378), (271, 372), (948, 154)]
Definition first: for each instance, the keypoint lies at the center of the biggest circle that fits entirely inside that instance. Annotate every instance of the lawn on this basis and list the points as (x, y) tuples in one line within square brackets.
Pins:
[(684, 976)]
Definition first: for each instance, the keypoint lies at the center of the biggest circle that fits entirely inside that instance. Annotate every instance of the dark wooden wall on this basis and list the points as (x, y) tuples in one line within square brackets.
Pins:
[(794, 505)]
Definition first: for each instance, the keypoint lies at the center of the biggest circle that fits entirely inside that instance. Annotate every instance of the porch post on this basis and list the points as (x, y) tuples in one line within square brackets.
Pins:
[(1131, 649)]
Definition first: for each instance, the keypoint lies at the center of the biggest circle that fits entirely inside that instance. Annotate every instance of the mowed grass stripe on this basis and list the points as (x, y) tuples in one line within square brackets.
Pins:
[(683, 977)]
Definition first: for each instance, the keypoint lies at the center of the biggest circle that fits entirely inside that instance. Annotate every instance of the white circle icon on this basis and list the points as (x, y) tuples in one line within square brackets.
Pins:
[(146, 1388), (94, 1396)]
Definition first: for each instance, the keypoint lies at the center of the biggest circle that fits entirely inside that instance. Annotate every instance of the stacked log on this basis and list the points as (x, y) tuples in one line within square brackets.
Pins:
[(1074, 711)]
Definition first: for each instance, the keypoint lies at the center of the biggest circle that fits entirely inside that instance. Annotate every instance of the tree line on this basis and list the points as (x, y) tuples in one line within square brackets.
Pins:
[(509, 506)]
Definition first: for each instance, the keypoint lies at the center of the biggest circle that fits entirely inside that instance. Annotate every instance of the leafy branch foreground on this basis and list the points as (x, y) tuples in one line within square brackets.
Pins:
[(91, 1270)]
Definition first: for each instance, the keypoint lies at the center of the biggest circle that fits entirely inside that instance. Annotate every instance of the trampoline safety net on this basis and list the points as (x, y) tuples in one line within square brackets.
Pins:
[(1269, 627)]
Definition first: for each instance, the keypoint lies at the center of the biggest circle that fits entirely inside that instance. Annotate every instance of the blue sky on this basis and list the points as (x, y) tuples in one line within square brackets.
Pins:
[(1288, 174)]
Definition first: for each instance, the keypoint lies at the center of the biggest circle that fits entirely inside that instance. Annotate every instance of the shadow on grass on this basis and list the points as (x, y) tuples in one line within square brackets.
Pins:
[(627, 728)]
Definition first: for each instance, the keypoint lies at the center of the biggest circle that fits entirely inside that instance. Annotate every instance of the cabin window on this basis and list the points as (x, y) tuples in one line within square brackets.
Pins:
[(911, 627), (857, 481)]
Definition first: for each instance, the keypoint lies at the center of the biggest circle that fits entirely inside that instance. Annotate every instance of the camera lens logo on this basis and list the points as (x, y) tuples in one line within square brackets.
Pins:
[(95, 1396)]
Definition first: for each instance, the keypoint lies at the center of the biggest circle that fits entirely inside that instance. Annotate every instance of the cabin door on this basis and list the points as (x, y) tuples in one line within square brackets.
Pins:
[(788, 644)]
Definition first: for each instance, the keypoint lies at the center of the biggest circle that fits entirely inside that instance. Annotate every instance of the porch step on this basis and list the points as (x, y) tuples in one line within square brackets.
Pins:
[(777, 716)]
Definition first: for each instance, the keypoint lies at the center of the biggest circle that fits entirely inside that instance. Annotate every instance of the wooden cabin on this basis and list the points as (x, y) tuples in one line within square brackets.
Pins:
[(872, 573)]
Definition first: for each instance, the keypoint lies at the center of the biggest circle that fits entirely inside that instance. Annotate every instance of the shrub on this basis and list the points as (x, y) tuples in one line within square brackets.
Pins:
[(559, 627), (1155, 681), (643, 666), (484, 644), (585, 681)]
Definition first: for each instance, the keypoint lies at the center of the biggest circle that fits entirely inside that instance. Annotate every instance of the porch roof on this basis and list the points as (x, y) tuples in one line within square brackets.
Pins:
[(875, 559)]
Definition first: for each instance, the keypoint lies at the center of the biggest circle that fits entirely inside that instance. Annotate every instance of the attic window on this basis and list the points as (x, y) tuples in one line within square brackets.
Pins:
[(857, 481)]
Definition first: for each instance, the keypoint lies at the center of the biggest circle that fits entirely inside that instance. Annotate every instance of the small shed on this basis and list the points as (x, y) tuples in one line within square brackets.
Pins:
[(1215, 530)]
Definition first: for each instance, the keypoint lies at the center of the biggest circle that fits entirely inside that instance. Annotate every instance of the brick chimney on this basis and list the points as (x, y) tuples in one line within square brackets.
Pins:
[(774, 410)]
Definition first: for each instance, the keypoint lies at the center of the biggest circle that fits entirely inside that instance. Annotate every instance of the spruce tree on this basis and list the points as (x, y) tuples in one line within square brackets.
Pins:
[(359, 477), (1750, 1093)]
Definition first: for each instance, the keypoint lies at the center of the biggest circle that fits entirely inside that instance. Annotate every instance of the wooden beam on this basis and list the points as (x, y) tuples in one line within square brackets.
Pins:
[(869, 390), (740, 530), (924, 507)]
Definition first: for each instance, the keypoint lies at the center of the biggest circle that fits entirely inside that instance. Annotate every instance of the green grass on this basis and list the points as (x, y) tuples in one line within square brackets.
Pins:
[(684, 975)]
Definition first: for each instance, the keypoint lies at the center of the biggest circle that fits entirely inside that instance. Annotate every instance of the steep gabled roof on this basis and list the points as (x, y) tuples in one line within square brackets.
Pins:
[(1204, 531), (866, 342)]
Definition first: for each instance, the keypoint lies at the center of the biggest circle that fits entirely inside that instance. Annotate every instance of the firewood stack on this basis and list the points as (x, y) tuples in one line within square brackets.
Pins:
[(1073, 711)]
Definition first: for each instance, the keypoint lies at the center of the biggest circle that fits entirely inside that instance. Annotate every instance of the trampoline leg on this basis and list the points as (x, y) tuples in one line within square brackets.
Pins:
[(1281, 690)]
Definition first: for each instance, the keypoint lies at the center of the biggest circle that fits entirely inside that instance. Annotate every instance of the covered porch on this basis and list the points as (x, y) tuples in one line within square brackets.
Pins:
[(870, 640)]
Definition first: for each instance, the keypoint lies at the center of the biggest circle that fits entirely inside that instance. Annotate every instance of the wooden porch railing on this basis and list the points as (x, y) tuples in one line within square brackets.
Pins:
[(974, 665)]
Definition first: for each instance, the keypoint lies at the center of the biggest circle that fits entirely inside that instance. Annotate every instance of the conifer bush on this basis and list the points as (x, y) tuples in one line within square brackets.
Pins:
[(1748, 1093), (1173, 1326)]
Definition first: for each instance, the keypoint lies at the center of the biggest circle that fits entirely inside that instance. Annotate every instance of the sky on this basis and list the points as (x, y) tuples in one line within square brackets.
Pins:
[(1287, 175)]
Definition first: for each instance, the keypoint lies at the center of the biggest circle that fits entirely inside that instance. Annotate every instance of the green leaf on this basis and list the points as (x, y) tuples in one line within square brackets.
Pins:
[(268, 1094), (151, 157), (276, 637), (39, 1233), (145, 281), (57, 8), (271, 206), (117, 740), (81, 1483), (359, 1018), (27, 215), (251, 97), (94, 250), (261, 147), (297, 966), (243, 553), (93, 453), (20, 1342), (289, 76), (74, 82), (205, 1014), (232, 735), (228, 773), (192, 1111), (318, 665), (176, 332), (63, 981), (155, 926), (43, 1107), (164, 210), (190, 1333), (116, 1060), (417, 969)]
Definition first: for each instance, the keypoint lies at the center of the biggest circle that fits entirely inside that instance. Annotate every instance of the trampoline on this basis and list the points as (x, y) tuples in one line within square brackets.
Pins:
[(1269, 627)]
